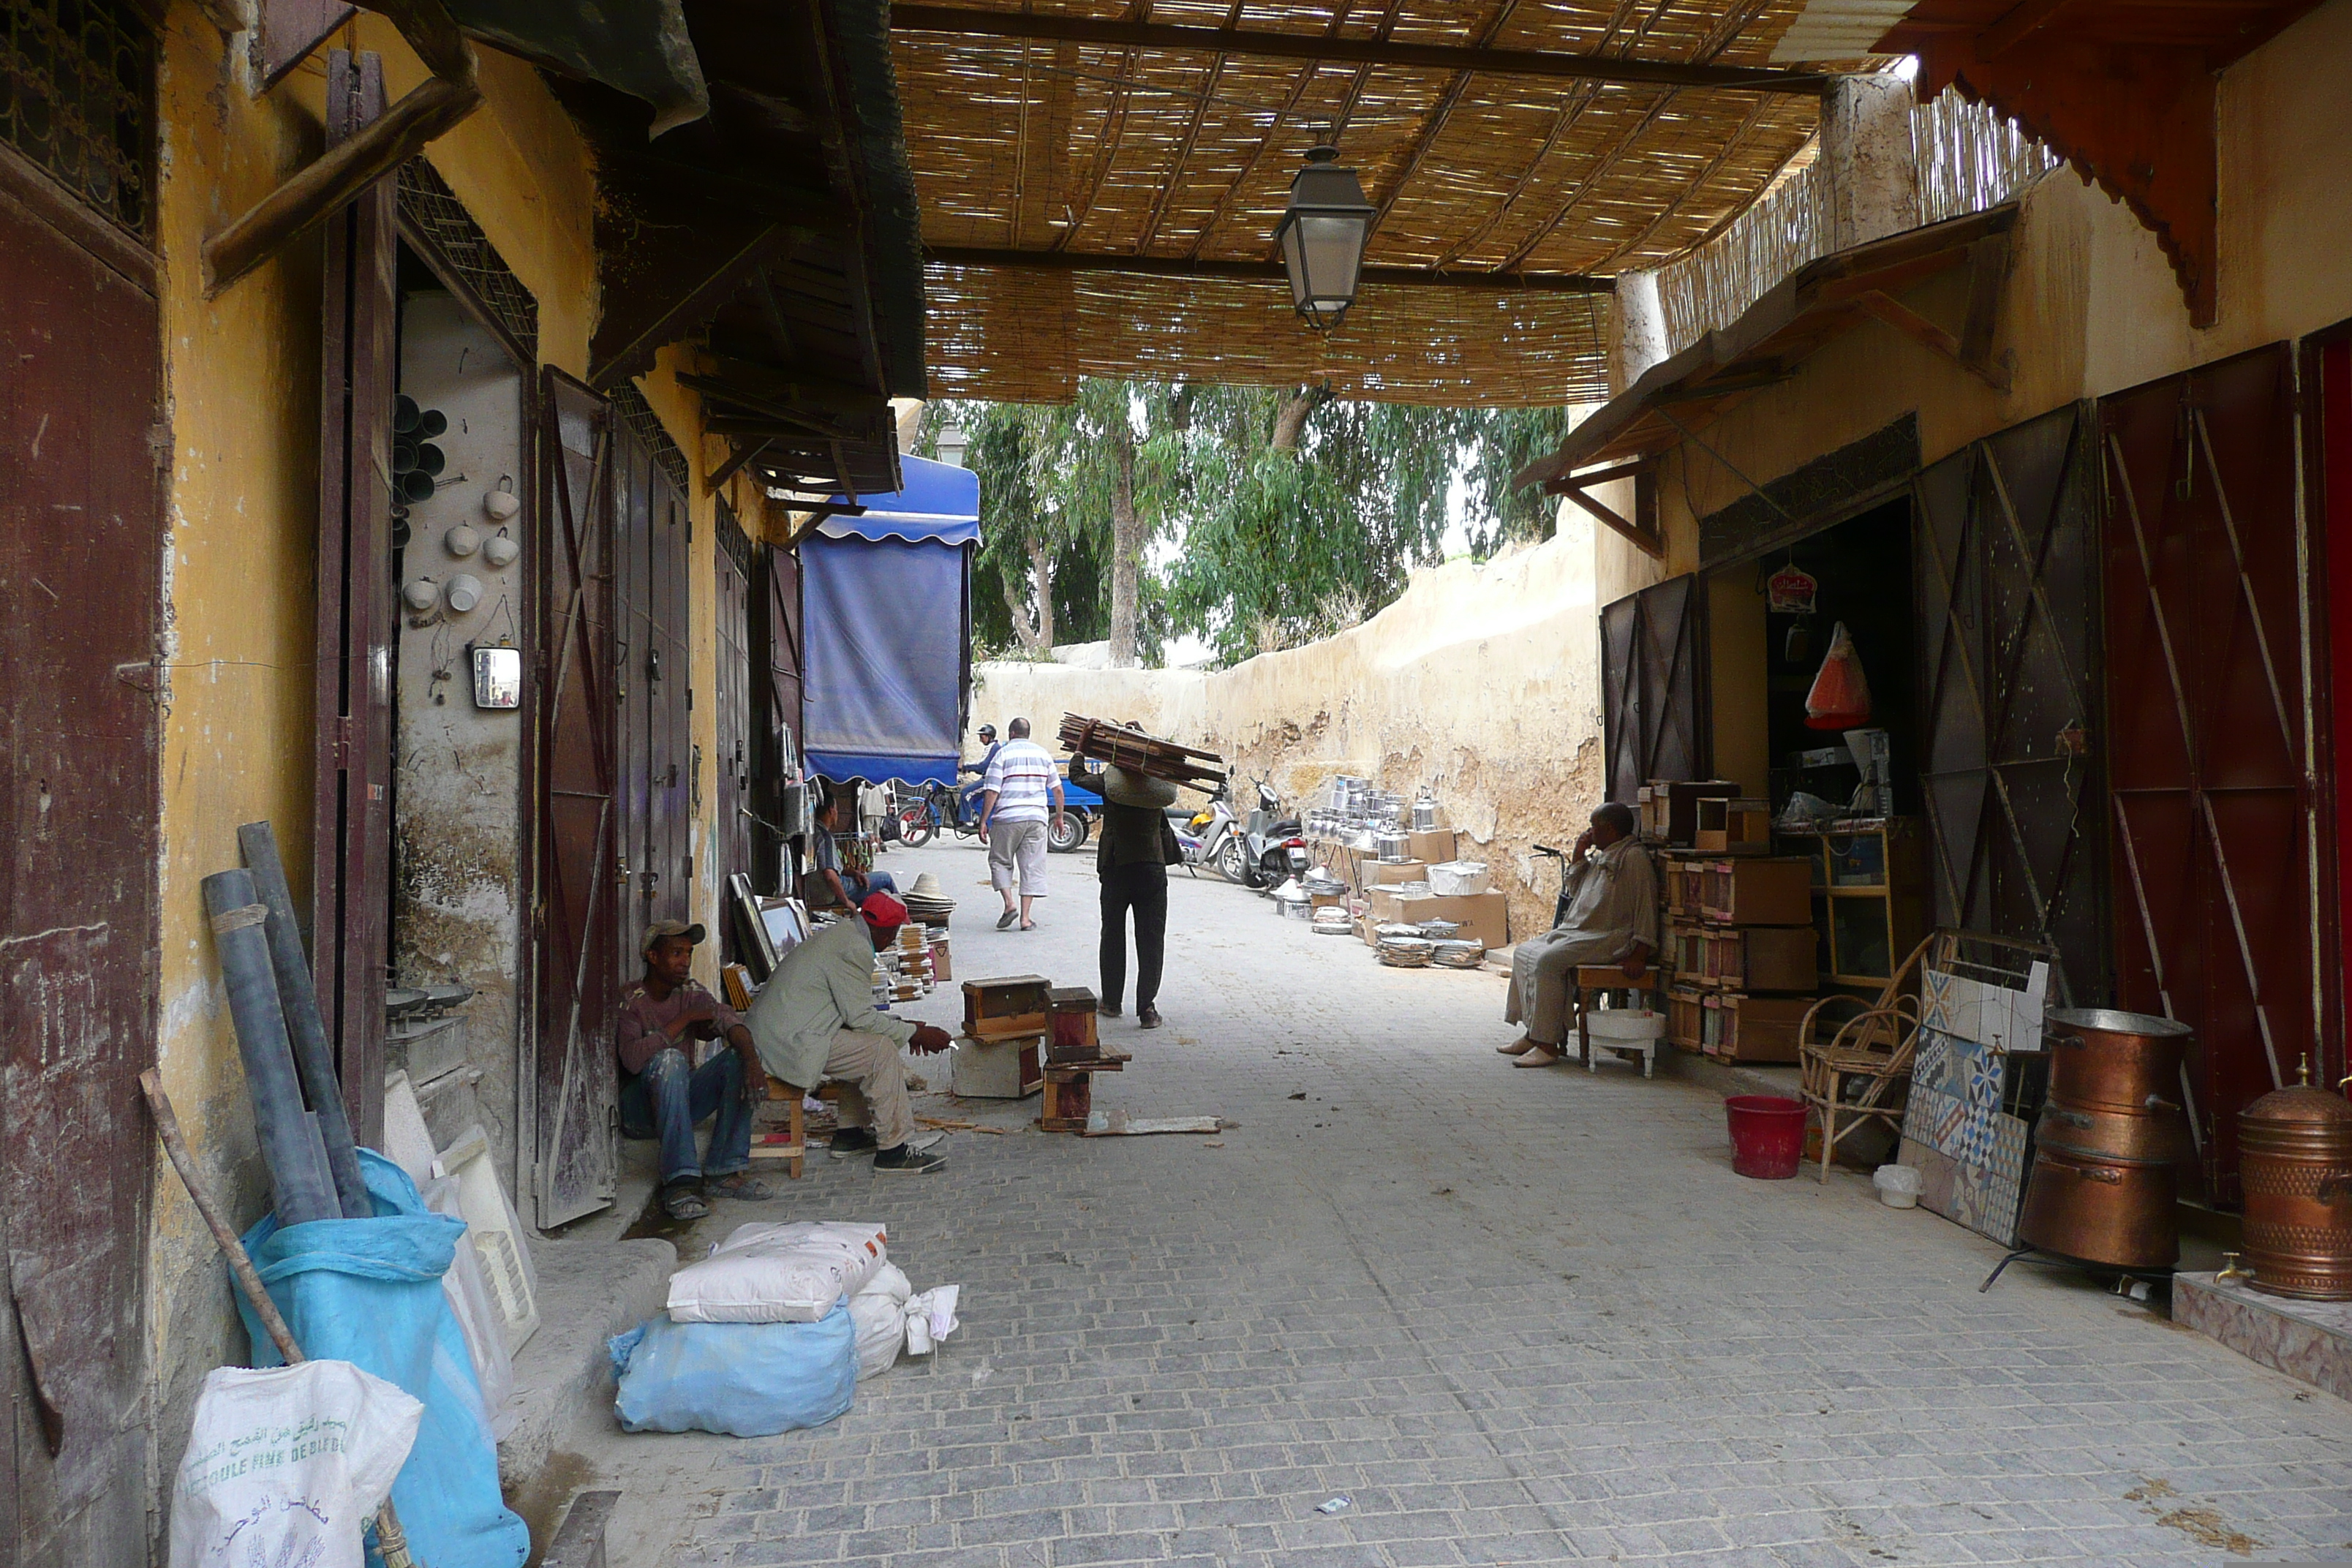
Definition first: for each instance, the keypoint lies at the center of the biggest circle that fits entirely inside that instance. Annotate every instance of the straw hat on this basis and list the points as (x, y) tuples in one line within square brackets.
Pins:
[(926, 887), (1123, 786)]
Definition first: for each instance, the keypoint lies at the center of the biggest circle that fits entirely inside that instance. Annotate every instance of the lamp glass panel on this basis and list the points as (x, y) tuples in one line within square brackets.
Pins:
[(1332, 249)]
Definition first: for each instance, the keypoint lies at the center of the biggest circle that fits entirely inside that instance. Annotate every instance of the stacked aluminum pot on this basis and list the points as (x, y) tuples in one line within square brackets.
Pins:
[(2294, 1153), (2111, 1133)]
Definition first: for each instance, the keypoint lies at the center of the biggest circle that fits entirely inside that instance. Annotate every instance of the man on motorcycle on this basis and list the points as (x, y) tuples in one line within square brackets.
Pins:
[(967, 796), (1610, 895)]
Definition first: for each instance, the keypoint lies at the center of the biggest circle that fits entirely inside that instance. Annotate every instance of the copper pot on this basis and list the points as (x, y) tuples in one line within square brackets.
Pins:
[(2157, 1135), (2294, 1149), (2101, 1212), (2114, 1060)]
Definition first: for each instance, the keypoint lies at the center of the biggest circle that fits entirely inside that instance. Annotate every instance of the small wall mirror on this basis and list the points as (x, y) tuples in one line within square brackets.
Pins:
[(498, 677)]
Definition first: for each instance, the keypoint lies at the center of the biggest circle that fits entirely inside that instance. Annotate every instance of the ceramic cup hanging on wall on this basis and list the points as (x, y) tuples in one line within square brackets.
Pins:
[(501, 551), (421, 594), (500, 504), (462, 541), (465, 592)]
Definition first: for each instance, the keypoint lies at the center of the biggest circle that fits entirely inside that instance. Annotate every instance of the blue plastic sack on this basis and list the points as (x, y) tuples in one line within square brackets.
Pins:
[(368, 1291), (746, 1380)]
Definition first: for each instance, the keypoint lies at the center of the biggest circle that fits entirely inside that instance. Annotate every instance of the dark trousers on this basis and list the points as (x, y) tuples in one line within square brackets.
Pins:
[(670, 1097), (1144, 889)]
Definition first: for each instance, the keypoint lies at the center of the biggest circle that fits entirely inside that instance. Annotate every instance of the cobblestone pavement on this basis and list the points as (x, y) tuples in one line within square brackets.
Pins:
[(1511, 1316)]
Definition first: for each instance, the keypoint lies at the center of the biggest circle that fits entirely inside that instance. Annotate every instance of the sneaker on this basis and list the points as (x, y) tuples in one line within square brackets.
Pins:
[(1147, 1017), (848, 1140), (903, 1161)]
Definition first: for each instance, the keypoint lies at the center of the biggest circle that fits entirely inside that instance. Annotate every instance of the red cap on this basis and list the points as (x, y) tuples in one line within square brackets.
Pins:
[(883, 912)]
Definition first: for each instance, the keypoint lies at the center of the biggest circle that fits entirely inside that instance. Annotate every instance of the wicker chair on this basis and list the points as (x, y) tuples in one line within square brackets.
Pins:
[(1861, 1072)]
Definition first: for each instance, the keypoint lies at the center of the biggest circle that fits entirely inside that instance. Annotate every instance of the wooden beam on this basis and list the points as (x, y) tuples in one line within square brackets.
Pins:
[(807, 208), (2017, 24), (1987, 271), (692, 305), (1646, 541), (1560, 486), (428, 111), (715, 389), (1263, 271), (1726, 386), (966, 22), (744, 452)]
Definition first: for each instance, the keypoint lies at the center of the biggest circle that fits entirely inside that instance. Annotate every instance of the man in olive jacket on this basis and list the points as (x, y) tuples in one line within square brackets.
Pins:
[(1136, 848)]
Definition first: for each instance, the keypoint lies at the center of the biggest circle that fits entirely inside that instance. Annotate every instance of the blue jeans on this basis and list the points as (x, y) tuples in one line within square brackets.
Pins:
[(669, 1099), (871, 882)]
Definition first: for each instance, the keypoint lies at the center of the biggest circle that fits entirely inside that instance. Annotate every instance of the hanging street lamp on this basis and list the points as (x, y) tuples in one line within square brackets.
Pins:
[(1322, 235)]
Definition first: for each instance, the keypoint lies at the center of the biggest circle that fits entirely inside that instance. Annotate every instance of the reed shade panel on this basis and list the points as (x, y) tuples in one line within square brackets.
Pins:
[(1122, 152)]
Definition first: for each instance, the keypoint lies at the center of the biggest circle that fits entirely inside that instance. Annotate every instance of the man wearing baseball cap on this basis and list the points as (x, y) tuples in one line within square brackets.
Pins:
[(664, 1095), (815, 1021)]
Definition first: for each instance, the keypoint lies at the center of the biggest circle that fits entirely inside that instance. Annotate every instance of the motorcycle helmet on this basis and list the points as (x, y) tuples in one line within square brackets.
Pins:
[(988, 732)]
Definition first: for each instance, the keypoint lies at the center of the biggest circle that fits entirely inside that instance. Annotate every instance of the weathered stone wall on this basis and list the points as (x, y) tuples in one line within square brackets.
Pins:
[(1480, 684)]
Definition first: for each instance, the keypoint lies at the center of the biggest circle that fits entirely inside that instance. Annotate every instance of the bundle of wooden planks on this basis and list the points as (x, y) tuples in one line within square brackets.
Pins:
[(1140, 753)]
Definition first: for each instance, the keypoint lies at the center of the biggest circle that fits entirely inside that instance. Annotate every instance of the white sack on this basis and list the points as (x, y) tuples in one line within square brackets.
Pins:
[(879, 1311), (287, 1463), (790, 1273), (930, 1317), (1458, 879)]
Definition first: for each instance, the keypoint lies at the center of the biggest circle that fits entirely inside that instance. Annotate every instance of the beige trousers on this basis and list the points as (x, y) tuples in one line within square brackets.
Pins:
[(1543, 981), (874, 1085)]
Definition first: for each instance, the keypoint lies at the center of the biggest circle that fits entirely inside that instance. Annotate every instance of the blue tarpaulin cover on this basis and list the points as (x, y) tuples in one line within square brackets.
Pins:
[(888, 629)]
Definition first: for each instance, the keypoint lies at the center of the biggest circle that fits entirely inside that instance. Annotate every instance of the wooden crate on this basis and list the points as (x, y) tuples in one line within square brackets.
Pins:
[(1007, 1006), (1762, 891), (1750, 958), (1686, 1018), (1668, 809), (1739, 1028), (1680, 881), (1733, 826)]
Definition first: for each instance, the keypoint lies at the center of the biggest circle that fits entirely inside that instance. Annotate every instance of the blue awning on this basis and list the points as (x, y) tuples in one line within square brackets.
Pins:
[(940, 503), (888, 630)]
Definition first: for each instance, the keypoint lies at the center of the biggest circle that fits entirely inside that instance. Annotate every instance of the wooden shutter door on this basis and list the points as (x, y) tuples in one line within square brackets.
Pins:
[(1653, 722), (579, 946), (2207, 625), (776, 705), (732, 767), (2006, 565)]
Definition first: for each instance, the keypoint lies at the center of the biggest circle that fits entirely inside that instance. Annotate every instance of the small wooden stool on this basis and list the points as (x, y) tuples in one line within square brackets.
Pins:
[(795, 1148), (1593, 980)]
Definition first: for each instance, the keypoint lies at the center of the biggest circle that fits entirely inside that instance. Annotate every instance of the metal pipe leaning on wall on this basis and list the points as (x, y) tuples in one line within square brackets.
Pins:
[(302, 1187), (297, 997)]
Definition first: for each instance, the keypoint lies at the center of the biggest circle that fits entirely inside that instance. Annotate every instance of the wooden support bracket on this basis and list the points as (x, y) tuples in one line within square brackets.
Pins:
[(1642, 530), (1928, 335), (744, 453)]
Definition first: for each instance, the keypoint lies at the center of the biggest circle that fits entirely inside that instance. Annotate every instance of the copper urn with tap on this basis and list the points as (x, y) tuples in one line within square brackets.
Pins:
[(2294, 1153)]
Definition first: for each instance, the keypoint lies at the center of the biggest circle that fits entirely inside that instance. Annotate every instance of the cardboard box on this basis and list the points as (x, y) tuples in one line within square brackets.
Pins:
[(1388, 904), (1485, 917), (1433, 846), (1327, 900), (1386, 872)]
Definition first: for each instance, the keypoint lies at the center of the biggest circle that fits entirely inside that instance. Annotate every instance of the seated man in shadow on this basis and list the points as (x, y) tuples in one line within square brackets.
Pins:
[(664, 1095), (1610, 915)]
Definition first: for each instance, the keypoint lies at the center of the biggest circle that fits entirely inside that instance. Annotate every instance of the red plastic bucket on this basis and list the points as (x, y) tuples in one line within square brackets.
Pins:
[(1767, 1135)]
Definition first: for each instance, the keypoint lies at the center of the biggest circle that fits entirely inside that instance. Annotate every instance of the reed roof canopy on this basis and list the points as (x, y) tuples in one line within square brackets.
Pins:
[(1100, 181)]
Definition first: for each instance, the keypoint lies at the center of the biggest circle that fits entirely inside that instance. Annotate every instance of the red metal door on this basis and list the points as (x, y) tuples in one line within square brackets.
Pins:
[(351, 860), (732, 767), (2328, 376), (2207, 630), (1653, 720), (81, 548), (579, 897)]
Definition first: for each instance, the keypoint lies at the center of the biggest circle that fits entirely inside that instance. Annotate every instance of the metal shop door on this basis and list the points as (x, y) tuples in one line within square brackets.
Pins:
[(2006, 568), (2208, 635), (656, 763), (776, 708), (82, 551), (1654, 724), (578, 959), (733, 764)]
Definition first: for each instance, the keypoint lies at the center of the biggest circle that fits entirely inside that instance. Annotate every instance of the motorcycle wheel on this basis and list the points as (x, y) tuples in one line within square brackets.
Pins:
[(1065, 832), (914, 827), (1233, 863)]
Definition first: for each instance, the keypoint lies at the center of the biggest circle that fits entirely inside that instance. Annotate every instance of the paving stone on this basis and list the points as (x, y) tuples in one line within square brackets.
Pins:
[(1517, 1317)]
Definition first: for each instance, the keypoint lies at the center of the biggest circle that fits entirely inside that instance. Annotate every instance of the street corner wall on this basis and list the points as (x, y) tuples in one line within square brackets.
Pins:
[(241, 378), (1481, 684), (458, 845)]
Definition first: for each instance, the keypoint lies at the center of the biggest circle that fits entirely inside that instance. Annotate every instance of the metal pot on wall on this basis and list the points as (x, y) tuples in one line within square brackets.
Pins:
[(2295, 1152), (2105, 1058), (2101, 1212)]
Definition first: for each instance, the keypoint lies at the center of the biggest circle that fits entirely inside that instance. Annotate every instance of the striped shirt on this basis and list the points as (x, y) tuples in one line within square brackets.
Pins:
[(1021, 774)]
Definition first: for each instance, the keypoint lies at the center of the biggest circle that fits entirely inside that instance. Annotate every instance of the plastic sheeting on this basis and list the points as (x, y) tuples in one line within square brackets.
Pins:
[(888, 630)]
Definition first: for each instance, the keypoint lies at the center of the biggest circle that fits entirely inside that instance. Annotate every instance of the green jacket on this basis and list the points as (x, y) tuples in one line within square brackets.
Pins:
[(823, 987)]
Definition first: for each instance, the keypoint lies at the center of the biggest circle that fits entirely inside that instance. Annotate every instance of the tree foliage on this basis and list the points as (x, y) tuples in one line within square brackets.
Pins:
[(1287, 513)]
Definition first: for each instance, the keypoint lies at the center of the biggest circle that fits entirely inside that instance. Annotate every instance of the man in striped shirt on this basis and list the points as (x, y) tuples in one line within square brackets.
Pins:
[(1020, 792)]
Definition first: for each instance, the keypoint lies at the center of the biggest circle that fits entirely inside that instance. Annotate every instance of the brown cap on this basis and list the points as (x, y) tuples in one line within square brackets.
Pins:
[(661, 929)]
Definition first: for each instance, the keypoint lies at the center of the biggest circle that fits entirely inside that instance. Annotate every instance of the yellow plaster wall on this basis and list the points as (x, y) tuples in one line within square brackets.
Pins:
[(241, 378)]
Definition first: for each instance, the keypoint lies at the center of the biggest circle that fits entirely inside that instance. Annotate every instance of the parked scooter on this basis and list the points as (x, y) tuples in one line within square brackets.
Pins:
[(1214, 838), (1277, 849)]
